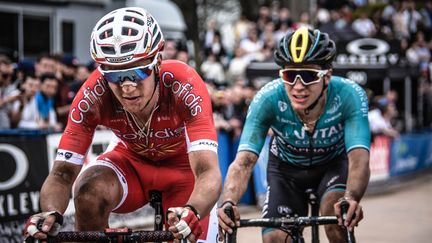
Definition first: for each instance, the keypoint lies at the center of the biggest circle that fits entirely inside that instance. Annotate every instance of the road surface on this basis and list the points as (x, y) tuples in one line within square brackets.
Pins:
[(403, 215)]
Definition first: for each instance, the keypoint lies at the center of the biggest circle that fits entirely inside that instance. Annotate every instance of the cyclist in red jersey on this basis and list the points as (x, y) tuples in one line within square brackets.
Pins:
[(160, 112)]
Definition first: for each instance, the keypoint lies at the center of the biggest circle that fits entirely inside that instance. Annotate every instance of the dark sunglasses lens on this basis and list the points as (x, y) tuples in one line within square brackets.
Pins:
[(134, 75), (114, 78), (143, 73)]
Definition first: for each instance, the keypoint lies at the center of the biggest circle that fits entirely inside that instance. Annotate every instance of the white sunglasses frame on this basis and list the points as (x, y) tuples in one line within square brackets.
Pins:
[(320, 74)]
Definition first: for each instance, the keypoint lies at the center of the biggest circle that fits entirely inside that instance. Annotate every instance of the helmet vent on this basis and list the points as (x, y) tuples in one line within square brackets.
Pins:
[(155, 29), (108, 50), (106, 34), (128, 48), (133, 20), (156, 41), (129, 31), (145, 40), (94, 46), (133, 11), (107, 21)]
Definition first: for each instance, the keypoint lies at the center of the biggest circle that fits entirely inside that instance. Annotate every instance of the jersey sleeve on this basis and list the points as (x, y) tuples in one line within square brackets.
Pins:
[(356, 129), (194, 104), (83, 118), (258, 121)]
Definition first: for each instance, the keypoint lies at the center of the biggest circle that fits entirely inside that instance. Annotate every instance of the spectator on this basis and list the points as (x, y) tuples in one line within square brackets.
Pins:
[(43, 115), (364, 26), (170, 50), (210, 33), (264, 16), (25, 109), (419, 53), (46, 63), (23, 68), (238, 64), (219, 107), (380, 119), (81, 76), (241, 27), (216, 47), (213, 70), (7, 91), (304, 21), (282, 28), (183, 56), (64, 97), (252, 45)]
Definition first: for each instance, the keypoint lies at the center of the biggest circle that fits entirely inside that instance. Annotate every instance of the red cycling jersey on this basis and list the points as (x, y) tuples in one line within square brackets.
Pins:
[(182, 122), (151, 158)]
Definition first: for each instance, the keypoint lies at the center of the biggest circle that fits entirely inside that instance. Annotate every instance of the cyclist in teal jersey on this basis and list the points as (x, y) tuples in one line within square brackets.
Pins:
[(320, 139)]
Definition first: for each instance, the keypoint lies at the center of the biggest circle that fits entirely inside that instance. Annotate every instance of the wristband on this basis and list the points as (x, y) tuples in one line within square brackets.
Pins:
[(226, 202), (193, 210), (346, 198)]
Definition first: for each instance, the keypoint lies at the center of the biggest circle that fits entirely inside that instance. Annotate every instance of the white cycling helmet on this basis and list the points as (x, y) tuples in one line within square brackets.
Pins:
[(124, 36)]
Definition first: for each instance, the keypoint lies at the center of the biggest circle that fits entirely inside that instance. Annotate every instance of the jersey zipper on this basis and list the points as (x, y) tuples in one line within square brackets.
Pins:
[(311, 140), (310, 146)]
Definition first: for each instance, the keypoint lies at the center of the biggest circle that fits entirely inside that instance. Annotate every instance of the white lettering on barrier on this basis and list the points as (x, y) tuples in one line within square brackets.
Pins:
[(25, 206), (21, 163), (406, 164)]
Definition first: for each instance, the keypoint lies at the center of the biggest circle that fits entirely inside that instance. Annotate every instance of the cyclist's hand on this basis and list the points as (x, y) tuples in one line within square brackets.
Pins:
[(184, 223), (354, 213), (225, 222), (42, 225)]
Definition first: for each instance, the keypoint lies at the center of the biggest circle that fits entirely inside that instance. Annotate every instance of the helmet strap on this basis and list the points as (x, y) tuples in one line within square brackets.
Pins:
[(154, 89), (315, 103)]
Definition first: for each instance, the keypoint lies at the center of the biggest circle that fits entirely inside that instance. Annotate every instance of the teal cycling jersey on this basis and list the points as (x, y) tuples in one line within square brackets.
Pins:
[(342, 126)]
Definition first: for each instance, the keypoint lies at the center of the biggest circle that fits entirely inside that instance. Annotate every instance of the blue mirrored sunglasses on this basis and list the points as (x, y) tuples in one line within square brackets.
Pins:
[(135, 74)]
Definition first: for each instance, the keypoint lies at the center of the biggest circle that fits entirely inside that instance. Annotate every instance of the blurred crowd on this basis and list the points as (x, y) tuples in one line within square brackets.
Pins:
[(37, 95), (404, 21)]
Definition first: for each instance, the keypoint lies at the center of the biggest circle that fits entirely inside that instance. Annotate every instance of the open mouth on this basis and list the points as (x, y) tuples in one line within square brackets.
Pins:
[(300, 96), (131, 98)]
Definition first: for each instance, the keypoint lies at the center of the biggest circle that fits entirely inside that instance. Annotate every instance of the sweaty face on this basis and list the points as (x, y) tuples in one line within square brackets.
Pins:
[(133, 96), (301, 95)]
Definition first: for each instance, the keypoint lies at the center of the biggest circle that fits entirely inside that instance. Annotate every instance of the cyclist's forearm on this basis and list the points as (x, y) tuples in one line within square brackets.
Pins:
[(56, 190), (358, 173), (238, 176), (208, 181)]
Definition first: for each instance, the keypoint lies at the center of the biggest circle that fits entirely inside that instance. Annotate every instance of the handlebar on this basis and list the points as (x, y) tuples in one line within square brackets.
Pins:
[(109, 235), (281, 222), (287, 221)]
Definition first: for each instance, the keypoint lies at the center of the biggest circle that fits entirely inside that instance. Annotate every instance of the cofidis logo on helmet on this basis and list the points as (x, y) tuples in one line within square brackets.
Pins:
[(184, 92)]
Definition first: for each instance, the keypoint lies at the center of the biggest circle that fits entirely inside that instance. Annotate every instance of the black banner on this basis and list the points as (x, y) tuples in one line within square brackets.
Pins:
[(24, 167), (371, 60)]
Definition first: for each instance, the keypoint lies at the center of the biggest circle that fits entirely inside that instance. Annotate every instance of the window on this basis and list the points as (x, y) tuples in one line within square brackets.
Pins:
[(9, 36), (68, 37), (37, 38)]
